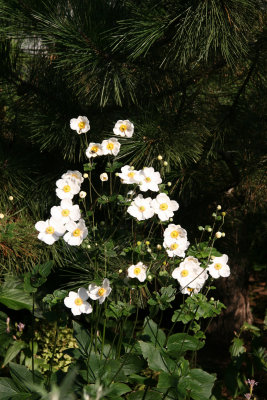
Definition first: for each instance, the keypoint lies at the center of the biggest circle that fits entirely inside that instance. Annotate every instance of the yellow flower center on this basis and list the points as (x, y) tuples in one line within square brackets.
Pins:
[(94, 149), (77, 232), (184, 273), (142, 208), (189, 290), (65, 212), (78, 301), (218, 266), (110, 146), (174, 234), (123, 128), (174, 246), (148, 179), (81, 125), (137, 271), (163, 206), (67, 188), (101, 292), (131, 174), (50, 230)]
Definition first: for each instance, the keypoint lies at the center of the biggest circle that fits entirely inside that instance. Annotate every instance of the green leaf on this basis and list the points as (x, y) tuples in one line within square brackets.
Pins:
[(8, 390), (132, 364), (197, 383), (13, 351), (45, 269), (156, 359), (22, 376), (82, 336), (237, 347), (147, 395), (167, 380), (16, 299), (118, 389), (179, 343), (155, 335)]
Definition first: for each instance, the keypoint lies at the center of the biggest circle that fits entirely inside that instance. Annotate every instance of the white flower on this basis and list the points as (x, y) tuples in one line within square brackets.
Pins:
[(124, 128), (76, 233), (140, 208), (174, 233), (104, 177), (66, 212), (77, 302), (111, 146), (82, 194), (149, 179), (80, 124), (94, 150), (128, 175), (50, 230), (66, 188), (219, 267), (164, 207), (176, 248), (137, 271), (74, 176), (190, 273), (99, 292)]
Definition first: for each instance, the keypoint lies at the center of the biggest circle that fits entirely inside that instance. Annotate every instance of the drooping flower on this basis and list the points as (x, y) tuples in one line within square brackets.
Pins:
[(190, 274), (80, 124), (149, 179), (219, 267), (74, 176), (66, 212), (104, 177), (137, 271), (164, 207), (77, 302), (94, 150), (50, 230), (111, 146), (66, 188), (124, 128), (99, 293), (177, 247), (140, 208), (129, 175), (77, 232)]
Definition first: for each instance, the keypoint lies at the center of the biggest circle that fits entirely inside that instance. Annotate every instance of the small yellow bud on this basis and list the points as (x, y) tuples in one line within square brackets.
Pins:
[(132, 167), (120, 271), (147, 243), (218, 235), (212, 299), (164, 263), (149, 277), (165, 163), (139, 243), (223, 213), (2, 216), (159, 247), (223, 234), (159, 157), (88, 246), (209, 229), (85, 175), (219, 207), (11, 198), (169, 183)]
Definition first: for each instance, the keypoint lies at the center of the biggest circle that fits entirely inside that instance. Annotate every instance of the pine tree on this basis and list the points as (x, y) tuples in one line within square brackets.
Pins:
[(189, 74)]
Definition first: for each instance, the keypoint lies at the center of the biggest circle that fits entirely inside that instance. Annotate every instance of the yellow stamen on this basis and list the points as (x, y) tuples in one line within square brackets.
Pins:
[(137, 271), (148, 179), (50, 230), (75, 176), (94, 149), (78, 301), (101, 292), (163, 206), (110, 146), (65, 212), (218, 266), (189, 290), (184, 273), (142, 208), (174, 234), (174, 246), (67, 188), (81, 125), (77, 232), (123, 128), (131, 174)]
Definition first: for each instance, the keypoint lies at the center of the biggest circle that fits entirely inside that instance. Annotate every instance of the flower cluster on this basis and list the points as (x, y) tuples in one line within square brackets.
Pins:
[(78, 301), (175, 240), (66, 218)]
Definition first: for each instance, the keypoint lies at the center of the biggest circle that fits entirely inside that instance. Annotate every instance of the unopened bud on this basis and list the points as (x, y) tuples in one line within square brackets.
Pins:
[(212, 298), (149, 250), (200, 228), (139, 243), (85, 175), (223, 213), (171, 219), (165, 163), (11, 198), (223, 234), (169, 183), (132, 167), (159, 157), (147, 243), (209, 229), (159, 247), (2, 216), (120, 271), (218, 235), (88, 246), (219, 207), (149, 277)]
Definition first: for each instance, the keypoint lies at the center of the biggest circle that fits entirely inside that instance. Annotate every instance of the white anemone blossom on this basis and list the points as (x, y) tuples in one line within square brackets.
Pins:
[(174, 233), (99, 293), (137, 271), (111, 146), (77, 302), (66, 212), (176, 248), (124, 128), (74, 176), (140, 208), (104, 177), (149, 179), (129, 175), (94, 150), (50, 230), (80, 124), (77, 232), (190, 274), (164, 207), (219, 267), (66, 188)]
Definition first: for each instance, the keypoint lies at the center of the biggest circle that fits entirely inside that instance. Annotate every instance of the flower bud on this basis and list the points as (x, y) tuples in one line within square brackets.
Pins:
[(200, 228), (120, 271), (223, 234), (139, 243), (213, 215), (169, 183), (159, 157), (11, 198), (82, 194), (2, 216), (219, 207), (171, 219), (209, 229), (149, 250), (165, 163), (102, 223), (149, 277), (212, 298), (132, 167), (159, 247), (147, 243), (223, 213), (218, 235), (85, 175), (88, 246)]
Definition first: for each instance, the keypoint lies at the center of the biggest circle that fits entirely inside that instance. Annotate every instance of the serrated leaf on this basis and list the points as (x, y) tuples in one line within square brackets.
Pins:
[(237, 347), (197, 383), (13, 351), (179, 343)]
